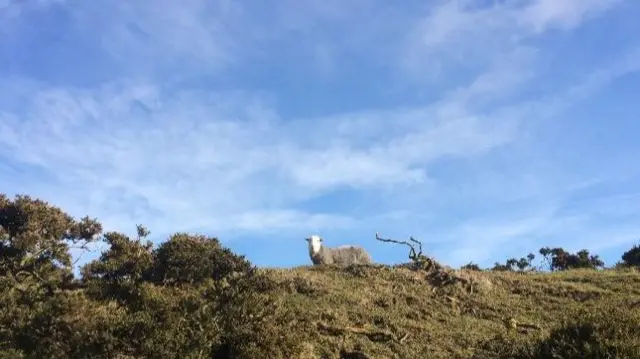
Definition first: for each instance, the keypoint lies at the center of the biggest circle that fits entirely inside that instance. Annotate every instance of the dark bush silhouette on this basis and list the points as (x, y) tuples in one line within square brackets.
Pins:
[(506, 267), (471, 266), (511, 264), (558, 259), (631, 258)]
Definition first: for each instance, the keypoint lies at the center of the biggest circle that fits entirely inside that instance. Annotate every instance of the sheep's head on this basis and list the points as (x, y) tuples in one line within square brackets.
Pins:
[(315, 242)]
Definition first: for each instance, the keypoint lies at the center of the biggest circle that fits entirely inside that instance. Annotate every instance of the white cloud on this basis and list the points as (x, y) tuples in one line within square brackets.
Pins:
[(199, 159), (14, 8), (145, 39), (456, 31), (399, 158), (288, 220), (481, 241), (543, 14), (499, 238)]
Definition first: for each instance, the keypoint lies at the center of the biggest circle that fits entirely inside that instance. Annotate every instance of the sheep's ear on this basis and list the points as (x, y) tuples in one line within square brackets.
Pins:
[(307, 239)]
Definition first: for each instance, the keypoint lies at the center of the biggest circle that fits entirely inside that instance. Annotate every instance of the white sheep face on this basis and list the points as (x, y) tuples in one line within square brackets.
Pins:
[(315, 242)]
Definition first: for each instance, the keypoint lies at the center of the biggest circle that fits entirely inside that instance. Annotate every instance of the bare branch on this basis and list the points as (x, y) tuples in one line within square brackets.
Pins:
[(418, 243), (413, 255), (84, 249)]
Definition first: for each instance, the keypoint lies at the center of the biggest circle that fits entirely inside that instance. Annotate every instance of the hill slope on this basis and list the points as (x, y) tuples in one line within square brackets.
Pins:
[(389, 312), (190, 297), (317, 312)]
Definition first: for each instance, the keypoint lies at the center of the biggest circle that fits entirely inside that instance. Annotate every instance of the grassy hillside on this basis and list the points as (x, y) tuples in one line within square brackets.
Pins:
[(319, 312), (401, 313), (190, 297)]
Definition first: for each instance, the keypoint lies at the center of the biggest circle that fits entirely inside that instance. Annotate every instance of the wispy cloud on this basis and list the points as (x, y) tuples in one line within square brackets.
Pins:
[(454, 32), (14, 8), (165, 35), (204, 158), (442, 120), (543, 14)]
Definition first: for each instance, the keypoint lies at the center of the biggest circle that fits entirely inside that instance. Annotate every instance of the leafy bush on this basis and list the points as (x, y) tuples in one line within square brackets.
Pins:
[(631, 258), (613, 333), (254, 322), (592, 333), (119, 270), (187, 259), (471, 266), (35, 238)]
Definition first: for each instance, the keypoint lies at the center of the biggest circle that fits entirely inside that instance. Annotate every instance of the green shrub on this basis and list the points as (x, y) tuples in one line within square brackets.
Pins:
[(611, 332), (34, 243), (188, 259), (471, 266), (631, 258), (120, 269), (254, 321), (592, 333)]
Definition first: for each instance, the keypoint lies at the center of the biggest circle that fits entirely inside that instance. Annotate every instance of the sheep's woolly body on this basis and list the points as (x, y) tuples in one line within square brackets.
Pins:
[(343, 255)]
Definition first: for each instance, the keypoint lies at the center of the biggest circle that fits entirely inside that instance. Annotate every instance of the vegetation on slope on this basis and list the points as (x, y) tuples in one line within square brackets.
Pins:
[(192, 298)]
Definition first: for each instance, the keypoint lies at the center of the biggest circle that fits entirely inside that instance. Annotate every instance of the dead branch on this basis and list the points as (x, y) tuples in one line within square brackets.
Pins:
[(413, 255), (84, 249)]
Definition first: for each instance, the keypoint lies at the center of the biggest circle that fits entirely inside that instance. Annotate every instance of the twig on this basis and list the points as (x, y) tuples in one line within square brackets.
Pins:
[(84, 250), (452, 299)]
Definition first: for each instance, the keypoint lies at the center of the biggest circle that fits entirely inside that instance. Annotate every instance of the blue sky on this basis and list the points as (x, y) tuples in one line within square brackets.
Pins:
[(486, 129)]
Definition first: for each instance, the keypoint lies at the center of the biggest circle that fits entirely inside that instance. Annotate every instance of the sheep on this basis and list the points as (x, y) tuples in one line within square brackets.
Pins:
[(343, 255)]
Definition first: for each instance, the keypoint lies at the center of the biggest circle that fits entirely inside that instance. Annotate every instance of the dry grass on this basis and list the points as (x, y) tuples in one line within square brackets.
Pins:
[(389, 312)]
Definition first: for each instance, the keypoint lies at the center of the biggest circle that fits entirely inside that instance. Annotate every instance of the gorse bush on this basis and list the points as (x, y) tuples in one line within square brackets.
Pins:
[(35, 238), (120, 270), (605, 332), (610, 332), (120, 306), (186, 259), (631, 258)]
